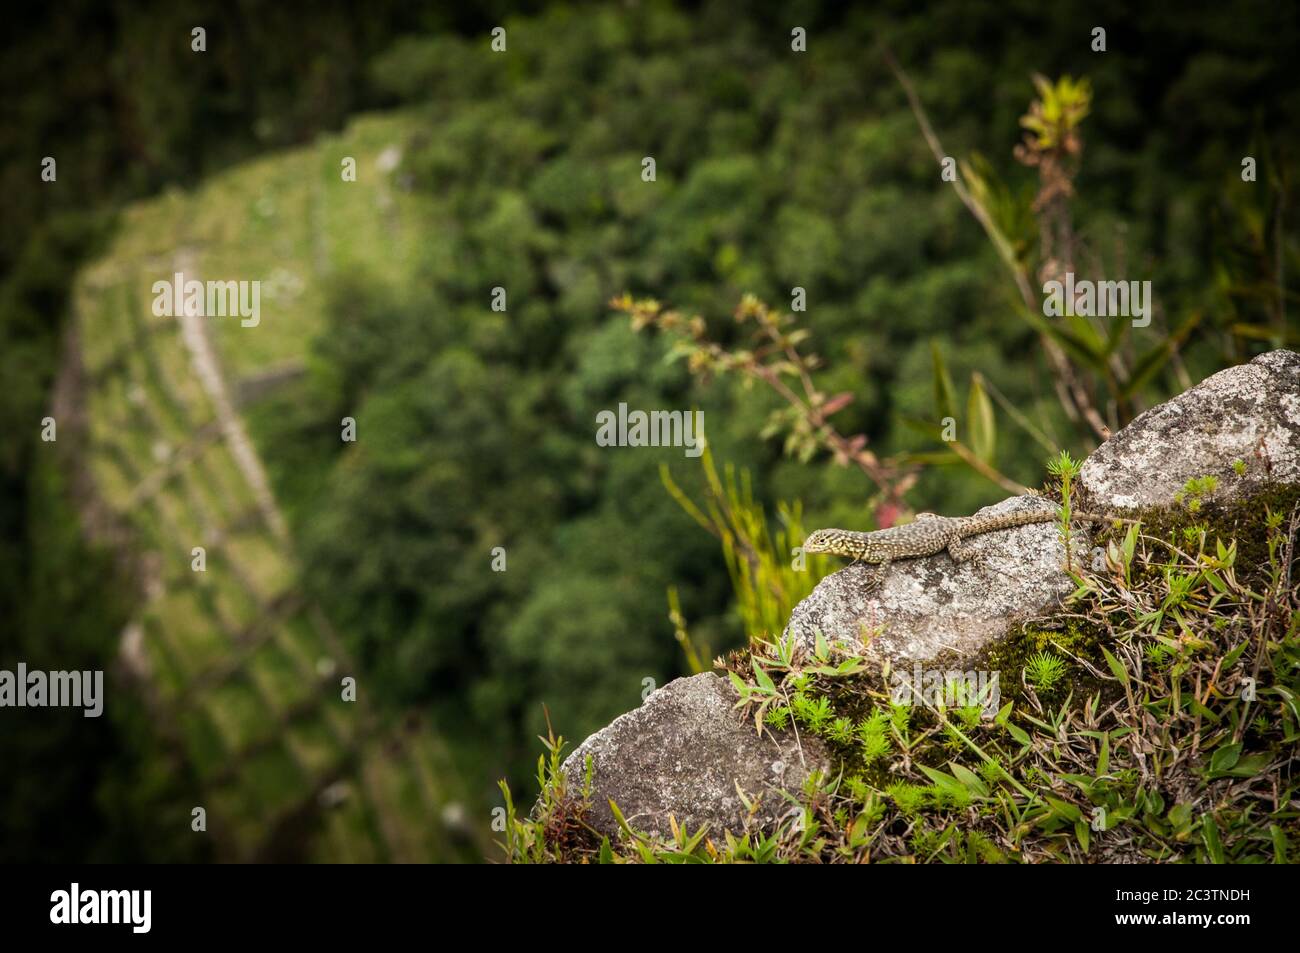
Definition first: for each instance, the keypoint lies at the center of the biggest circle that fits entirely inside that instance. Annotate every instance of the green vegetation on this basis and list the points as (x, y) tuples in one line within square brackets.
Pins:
[(776, 171), (920, 376), (118, 99), (1169, 734)]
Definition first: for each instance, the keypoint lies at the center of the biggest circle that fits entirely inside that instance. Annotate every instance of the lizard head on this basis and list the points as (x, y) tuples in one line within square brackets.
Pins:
[(827, 541)]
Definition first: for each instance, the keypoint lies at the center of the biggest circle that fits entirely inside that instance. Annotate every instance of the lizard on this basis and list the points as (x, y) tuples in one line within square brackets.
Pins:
[(928, 535)]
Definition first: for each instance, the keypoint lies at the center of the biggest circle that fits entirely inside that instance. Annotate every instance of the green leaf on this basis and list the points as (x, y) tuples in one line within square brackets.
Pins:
[(1249, 766), (1018, 733), (983, 426), (1262, 332), (1130, 543), (1087, 333), (1279, 843), (1210, 835), (1225, 758), (969, 778), (922, 426), (1118, 331), (1057, 332), (1230, 659), (944, 781), (1116, 666), (1064, 809)]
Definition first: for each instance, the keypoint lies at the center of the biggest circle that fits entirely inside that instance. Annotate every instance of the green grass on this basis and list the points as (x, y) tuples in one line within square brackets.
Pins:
[(192, 636), (279, 676), (314, 746)]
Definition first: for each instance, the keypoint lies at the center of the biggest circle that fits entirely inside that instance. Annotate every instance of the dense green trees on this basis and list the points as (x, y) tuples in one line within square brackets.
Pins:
[(774, 170)]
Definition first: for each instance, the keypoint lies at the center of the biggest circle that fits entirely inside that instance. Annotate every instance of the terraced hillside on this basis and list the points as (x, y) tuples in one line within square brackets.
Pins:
[(243, 671)]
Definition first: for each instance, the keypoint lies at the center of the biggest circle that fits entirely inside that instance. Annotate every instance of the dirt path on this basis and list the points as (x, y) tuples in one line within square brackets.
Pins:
[(207, 367)]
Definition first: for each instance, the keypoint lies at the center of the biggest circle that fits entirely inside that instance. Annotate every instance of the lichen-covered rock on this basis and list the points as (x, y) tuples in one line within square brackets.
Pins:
[(684, 752), (925, 607), (1249, 413)]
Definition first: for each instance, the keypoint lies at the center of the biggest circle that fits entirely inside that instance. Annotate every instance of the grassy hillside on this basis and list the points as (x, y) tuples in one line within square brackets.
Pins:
[(242, 669)]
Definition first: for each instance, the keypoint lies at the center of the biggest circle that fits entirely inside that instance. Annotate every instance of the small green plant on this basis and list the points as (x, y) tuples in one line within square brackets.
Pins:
[(768, 584), (840, 730), (909, 798), (900, 719), (873, 734), (1195, 491), (1065, 468), (1239, 467), (857, 788), (1156, 654), (777, 718), (815, 714), (1044, 670), (991, 771)]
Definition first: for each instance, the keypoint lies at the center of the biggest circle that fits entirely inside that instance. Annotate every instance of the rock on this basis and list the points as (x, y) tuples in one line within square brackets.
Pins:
[(1250, 413), (686, 748), (925, 607), (683, 752)]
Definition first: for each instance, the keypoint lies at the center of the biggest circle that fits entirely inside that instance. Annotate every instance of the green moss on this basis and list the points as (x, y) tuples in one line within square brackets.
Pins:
[(1243, 519)]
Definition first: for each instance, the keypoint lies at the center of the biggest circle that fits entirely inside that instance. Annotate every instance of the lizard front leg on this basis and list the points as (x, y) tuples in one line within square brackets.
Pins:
[(875, 575), (875, 571), (960, 550)]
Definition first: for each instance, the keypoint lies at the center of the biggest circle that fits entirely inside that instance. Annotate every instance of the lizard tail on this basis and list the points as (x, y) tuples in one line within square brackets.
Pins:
[(1030, 517), (1092, 517), (986, 524)]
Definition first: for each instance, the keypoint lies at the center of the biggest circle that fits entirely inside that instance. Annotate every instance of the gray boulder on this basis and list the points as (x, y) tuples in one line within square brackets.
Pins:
[(1250, 413), (684, 752)]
